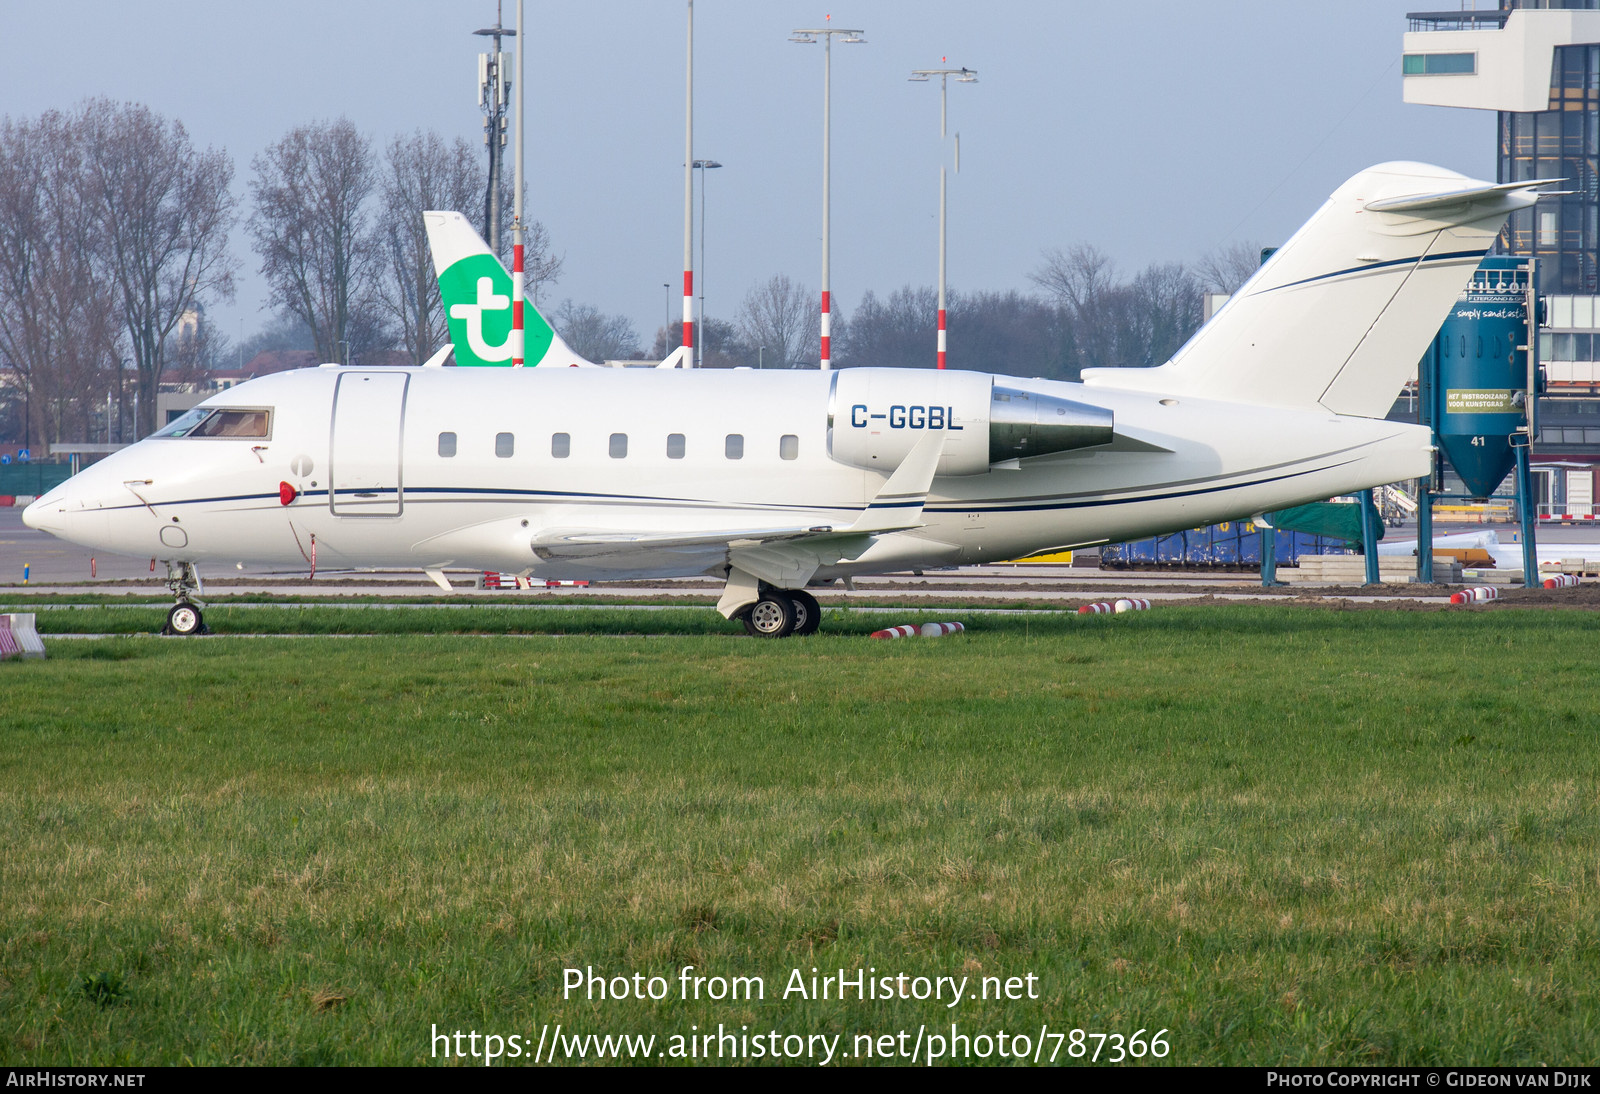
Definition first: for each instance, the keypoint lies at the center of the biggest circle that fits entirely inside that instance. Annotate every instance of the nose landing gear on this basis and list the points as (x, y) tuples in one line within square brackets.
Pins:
[(185, 618)]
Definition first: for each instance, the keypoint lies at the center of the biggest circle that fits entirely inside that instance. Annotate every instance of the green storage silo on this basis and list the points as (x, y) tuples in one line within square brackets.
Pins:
[(1480, 376)]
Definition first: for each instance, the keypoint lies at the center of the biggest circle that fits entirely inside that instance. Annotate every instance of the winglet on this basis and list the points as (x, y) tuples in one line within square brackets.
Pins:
[(898, 505)]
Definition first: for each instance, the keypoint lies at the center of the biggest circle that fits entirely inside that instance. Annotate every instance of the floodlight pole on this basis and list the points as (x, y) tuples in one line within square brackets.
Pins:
[(688, 196), (809, 37), (517, 233), (966, 76)]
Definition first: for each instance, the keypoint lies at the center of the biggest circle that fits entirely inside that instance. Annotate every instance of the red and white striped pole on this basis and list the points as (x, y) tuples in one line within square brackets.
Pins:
[(827, 329), (516, 292), (688, 315), (827, 178), (964, 75), (688, 198), (517, 233)]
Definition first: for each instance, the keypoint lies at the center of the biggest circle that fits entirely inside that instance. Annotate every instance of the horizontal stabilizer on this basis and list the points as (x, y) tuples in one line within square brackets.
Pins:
[(1417, 203)]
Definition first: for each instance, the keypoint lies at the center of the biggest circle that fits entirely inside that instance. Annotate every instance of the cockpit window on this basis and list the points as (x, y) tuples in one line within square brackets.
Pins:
[(222, 422)]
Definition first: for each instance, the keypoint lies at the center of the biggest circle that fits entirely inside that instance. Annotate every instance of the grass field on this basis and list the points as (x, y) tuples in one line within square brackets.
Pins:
[(1280, 834)]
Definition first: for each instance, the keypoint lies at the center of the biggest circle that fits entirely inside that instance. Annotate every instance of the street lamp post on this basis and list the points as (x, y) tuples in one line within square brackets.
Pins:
[(965, 76), (809, 38), (700, 349)]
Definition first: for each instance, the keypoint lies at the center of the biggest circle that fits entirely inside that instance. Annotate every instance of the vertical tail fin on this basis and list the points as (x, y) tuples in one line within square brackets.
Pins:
[(1341, 314), (476, 290)]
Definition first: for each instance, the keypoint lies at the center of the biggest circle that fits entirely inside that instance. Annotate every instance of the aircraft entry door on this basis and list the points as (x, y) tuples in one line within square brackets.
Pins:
[(364, 461)]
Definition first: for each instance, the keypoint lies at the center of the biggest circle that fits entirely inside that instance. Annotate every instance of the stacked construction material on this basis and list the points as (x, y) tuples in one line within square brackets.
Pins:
[(19, 637), (1352, 569), (492, 580)]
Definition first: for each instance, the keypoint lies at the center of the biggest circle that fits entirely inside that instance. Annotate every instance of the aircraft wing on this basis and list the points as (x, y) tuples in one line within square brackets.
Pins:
[(587, 543)]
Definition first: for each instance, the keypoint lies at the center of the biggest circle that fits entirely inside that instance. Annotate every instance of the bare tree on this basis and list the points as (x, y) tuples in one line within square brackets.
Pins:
[(312, 229), (1226, 268), (898, 332), (595, 335), (421, 172), (1077, 277), (1165, 311), (718, 344), (1004, 332), (59, 322), (779, 317), (1109, 323), (162, 211)]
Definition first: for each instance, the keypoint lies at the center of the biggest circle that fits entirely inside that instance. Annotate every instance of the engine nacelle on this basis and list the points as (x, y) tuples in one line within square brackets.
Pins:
[(876, 415)]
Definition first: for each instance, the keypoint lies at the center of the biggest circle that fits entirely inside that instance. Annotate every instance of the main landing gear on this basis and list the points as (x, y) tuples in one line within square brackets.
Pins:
[(185, 618), (780, 613)]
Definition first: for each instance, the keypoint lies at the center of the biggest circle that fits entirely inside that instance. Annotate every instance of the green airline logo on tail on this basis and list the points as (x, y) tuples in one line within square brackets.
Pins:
[(477, 300)]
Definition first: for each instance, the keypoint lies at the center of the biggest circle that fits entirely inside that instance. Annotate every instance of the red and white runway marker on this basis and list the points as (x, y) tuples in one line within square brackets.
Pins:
[(926, 630), (1116, 607)]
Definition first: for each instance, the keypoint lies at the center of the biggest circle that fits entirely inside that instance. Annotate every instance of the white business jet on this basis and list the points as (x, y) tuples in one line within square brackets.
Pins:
[(771, 480)]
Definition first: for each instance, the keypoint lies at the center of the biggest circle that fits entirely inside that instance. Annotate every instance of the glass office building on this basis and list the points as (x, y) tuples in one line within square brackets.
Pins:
[(1536, 64)]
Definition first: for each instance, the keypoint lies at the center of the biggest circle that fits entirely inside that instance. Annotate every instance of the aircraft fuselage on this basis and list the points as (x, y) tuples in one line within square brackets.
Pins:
[(486, 468)]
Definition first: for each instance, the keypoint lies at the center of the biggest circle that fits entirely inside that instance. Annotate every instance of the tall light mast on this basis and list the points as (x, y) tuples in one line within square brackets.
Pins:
[(809, 38), (688, 196), (965, 76), (517, 233)]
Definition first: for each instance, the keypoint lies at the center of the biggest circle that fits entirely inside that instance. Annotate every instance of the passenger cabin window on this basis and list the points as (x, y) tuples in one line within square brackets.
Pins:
[(253, 422), (734, 446), (560, 445), (504, 445), (674, 446), (619, 446), (447, 444), (789, 447)]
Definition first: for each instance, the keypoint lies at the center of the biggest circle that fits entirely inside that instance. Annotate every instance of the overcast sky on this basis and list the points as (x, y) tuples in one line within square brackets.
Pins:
[(1155, 131)]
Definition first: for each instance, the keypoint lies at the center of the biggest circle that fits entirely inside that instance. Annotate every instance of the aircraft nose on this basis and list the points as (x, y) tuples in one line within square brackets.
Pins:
[(34, 516)]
